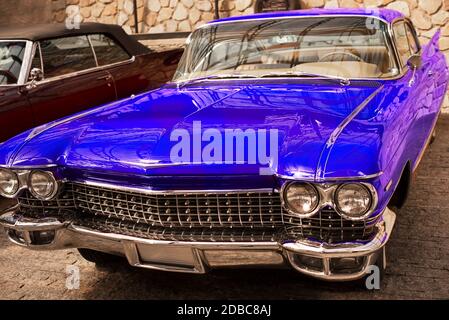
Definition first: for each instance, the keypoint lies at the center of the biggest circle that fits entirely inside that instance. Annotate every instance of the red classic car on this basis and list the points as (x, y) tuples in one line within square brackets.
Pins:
[(49, 71)]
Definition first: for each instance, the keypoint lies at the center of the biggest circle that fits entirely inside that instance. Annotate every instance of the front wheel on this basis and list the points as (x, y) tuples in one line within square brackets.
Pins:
[(433, 137)]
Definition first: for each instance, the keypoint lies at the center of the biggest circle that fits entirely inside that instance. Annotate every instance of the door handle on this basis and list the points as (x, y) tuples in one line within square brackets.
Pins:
[(107, 78)]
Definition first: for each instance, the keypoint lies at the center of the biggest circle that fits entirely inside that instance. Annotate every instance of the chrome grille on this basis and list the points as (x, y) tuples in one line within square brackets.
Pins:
[(328, 225), (205, 210), (142, 230), (249, 215)]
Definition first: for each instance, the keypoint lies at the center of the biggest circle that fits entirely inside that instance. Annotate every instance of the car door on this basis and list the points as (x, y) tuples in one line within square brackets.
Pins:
[(415, 120), (134, 74), (72, 80), (128, 77)]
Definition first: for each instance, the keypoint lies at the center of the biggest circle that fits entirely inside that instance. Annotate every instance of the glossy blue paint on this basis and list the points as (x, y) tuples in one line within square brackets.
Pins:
[(128, 142)]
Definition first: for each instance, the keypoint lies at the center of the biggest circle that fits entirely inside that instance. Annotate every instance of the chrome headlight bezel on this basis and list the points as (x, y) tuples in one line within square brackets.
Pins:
[(327, 198), (285, 202), (17, 186), (52, 179), (371, 191)]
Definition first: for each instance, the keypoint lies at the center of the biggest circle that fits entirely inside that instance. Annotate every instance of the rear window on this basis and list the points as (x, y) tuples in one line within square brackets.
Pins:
[(107, 50), (66, 55)]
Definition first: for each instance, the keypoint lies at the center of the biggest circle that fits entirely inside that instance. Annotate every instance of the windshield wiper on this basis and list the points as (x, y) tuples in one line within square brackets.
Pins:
[(181, 84), (343, 81)]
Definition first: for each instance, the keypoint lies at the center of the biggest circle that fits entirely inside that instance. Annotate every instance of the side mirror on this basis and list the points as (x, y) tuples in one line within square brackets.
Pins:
[(36, 75), (414, 63)]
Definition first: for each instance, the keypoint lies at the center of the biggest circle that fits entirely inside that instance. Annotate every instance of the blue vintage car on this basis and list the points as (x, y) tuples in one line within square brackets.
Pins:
[(284, 139)]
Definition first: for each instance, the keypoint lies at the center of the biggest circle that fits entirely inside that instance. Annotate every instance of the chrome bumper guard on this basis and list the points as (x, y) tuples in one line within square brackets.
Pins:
[(335, 262)]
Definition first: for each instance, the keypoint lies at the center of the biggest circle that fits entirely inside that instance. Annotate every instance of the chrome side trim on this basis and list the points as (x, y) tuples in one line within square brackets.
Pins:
[(322, 162), (150, 191), (87, 71), (13, 167), (214, 23), (331, 179), (93, 50)]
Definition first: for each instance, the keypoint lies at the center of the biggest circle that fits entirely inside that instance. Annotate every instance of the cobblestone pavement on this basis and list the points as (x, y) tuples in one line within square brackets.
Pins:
[(418, 261)]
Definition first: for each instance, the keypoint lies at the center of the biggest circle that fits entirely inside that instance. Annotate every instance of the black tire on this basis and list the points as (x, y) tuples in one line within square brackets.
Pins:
[(433, 137), (101, 259)]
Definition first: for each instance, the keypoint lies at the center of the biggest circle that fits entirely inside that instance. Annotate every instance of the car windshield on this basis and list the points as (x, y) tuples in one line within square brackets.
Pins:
[(346, 47), (11, 57)]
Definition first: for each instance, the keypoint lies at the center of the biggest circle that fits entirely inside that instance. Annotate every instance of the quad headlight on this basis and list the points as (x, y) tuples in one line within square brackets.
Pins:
[(353, 200), (9, 183), (42, 185), (301, 198)]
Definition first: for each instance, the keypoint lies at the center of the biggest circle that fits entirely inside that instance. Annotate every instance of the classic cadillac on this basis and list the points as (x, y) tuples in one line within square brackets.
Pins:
[(285, 139)]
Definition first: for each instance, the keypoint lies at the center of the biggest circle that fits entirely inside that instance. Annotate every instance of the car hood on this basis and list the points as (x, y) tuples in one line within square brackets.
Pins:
[(133, 136)]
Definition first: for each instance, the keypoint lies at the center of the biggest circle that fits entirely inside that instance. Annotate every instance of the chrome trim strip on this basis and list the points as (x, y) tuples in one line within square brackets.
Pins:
[(331, 179), (150, 191), (322, 162), (41, 58), (87, 71), (214, 23), (92, 48), (13, 167)]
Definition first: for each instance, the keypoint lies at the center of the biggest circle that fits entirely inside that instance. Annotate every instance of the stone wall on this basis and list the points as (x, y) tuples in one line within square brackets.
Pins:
[(154, 15), (19, 12), (185, 15)]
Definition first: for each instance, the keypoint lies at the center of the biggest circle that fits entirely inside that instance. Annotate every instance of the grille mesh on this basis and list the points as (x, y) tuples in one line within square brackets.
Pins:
[(201, 216)]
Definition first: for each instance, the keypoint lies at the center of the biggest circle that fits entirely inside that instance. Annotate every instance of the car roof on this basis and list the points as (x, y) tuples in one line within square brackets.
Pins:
[(59, 30), (385, 14)]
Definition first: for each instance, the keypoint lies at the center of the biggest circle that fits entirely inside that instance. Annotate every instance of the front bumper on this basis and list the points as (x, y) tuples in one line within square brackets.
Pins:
[(334, 262)]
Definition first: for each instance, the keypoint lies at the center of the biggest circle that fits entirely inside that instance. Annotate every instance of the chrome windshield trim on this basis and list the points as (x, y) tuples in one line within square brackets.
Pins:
[(151, 191), (389, 32), (214, 23)]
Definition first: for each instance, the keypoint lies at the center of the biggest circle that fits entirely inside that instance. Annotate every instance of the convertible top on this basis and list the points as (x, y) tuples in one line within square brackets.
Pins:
[(49, 31)]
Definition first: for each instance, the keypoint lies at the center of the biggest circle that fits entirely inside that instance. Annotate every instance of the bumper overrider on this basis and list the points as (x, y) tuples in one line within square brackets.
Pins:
[(335, 262)]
